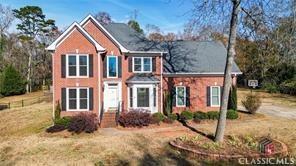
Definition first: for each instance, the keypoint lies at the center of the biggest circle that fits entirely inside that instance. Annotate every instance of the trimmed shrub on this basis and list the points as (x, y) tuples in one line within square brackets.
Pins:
[(11, 82), (83, 122), (57, 111), (213, 115), (252, 103), (65, 121), (173, 116), (186, 115), (232, 114), (232, 101), (135, 118), (200, 115), (55, 128), (157, 117)]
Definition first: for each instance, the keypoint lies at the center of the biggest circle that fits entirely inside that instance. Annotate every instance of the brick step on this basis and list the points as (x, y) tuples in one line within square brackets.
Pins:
[(108, 120)]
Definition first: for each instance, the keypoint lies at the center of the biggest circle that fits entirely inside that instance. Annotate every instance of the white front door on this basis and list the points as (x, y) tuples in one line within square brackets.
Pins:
[(111, 96)]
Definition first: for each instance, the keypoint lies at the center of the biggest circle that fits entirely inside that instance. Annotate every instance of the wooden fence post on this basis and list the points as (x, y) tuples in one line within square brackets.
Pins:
[(8, 105), (22, 103)]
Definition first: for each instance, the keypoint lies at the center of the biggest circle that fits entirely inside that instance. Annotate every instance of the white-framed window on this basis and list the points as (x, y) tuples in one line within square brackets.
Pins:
[(180, 96), (77, 65), (77, 99), (112, 66), (215, 96), (142, 64)]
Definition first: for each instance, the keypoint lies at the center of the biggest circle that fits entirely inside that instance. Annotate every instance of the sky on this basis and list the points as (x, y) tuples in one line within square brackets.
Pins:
[(168, 15)]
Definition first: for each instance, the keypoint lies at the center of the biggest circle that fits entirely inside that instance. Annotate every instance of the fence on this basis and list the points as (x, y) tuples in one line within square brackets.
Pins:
[(25, 102)]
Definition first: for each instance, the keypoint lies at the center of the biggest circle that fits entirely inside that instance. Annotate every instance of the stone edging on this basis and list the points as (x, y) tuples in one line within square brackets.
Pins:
[(283, 151)]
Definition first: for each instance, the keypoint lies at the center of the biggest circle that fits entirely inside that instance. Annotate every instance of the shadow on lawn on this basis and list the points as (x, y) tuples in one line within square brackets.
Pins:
[(185, 124)]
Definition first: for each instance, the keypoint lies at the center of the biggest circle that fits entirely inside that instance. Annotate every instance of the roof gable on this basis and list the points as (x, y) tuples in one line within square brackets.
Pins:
[(68, 31)]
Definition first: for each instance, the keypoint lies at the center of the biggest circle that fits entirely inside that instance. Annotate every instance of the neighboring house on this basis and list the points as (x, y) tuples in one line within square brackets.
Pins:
[(109, 68)]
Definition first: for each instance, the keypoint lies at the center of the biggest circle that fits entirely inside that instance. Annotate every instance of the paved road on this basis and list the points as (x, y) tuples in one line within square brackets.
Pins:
[(276, 111)]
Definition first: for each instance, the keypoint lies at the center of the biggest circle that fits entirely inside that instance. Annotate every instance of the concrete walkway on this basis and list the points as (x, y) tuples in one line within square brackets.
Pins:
[(276, 111)]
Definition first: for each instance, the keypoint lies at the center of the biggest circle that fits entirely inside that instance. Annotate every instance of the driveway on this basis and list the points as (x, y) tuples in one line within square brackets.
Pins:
[(275, 111)]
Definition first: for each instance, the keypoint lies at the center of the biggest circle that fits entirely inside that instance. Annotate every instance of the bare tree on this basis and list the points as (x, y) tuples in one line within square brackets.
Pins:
[(6, 18), (103, 17)]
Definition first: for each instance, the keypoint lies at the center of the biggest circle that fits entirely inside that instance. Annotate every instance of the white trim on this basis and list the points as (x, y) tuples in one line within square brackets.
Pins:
[(201, 73), (116, 65), (177, 105), (123, 49), (119, 92), (142, 65), (66, 34), (100, 87), (82, 23), (77, 66), (161, 86), (53, 87), (77, 99), (146, 52), (219, 96)]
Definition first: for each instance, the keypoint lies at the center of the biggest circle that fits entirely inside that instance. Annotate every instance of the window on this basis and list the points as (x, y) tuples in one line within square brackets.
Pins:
[(154, 97), (180, 96), (77, 65), (112, 66), (142, 64), (77, 99), (215, 96), (142, 97), (130, 97)]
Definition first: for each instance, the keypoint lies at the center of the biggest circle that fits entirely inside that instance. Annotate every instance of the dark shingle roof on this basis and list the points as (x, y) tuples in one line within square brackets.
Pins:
[(142, 78), (182, 57), (196, 57), (129, 38)]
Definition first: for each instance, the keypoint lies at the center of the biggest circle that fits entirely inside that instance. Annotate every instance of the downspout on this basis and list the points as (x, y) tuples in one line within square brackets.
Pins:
[(161, 88)]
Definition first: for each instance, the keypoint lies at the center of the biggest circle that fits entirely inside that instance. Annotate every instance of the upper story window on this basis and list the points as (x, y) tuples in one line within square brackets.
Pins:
[(77, 65), (180, 96), (112, 66), (142, 64), (215, 96)]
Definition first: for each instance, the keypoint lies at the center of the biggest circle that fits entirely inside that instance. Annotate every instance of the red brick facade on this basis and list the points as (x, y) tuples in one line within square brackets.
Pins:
[(77, 43)]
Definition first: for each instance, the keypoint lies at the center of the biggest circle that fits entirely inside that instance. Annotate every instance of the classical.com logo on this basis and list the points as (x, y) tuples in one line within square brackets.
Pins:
[(267, 161)]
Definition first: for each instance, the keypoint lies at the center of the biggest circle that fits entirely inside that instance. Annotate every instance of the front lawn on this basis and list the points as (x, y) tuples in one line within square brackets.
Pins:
[(23, 140)]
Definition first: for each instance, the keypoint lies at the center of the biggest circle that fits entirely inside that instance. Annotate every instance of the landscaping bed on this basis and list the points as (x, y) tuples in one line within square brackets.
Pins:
[(233, 147)]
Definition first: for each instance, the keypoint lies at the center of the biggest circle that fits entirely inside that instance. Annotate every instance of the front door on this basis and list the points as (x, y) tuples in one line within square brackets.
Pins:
[(111, 96)]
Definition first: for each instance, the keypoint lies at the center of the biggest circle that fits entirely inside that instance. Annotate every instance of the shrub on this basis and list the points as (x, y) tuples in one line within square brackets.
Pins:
[(87, 122), (232, 114), (252, 103), (55, 128), (271, 88), (57, 111), (186, 115), (288, 87), (200, 115), (213, 115), (11, 82), (157, 117), (135, 118), (65, 121), (173, 116), (232, 102)]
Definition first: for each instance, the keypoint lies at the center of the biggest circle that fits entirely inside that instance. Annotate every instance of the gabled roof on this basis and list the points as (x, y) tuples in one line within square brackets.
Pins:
[(197, 58), (126, 38), (68, 31)]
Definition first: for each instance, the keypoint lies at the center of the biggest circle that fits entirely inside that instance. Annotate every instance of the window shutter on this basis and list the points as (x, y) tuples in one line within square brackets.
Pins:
[(63, 66), (64, 99), (154, 64), (187, 96), (91, 98), (208, 96), (90, 65), (119, 66), (130, 64), (173, 95), (105, 67)]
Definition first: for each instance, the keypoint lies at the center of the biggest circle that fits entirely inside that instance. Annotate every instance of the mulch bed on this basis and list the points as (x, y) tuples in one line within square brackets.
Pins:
[(233, 147)]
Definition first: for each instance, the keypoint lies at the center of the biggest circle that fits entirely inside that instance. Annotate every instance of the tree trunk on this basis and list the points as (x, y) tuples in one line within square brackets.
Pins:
[(227, 73), (28, 85)]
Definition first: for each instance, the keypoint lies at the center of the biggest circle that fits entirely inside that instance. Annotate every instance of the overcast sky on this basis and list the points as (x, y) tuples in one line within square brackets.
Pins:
[(169, 15)]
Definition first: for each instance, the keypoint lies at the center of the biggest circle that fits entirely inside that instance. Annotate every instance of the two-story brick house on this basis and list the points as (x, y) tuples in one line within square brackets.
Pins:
[(102, 68)]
